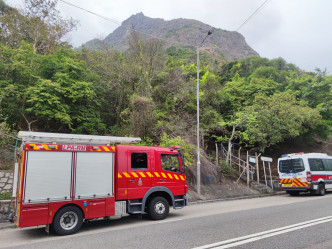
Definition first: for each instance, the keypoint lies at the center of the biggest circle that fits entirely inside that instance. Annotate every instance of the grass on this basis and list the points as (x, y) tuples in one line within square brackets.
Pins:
[(226, 169), (6, 164), (5, 195), (6, 167)]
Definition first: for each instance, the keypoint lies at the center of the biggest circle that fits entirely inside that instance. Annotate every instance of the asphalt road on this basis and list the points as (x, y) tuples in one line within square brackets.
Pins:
[(270, 222)]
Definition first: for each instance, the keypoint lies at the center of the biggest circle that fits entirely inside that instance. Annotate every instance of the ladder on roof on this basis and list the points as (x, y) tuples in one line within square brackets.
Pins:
[(60, 138)]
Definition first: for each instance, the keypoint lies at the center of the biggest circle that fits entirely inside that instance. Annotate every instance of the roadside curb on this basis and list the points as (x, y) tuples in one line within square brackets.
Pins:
[(7, 225), (235, 198)]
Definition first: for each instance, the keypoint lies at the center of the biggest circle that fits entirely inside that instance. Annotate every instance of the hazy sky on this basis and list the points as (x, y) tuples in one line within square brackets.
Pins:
[(296, 30)]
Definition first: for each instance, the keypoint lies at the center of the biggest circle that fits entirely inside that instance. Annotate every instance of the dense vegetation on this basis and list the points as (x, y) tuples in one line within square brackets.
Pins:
[(148, 91)]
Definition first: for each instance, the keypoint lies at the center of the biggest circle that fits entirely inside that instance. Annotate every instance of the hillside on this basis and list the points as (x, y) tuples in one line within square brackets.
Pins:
[(150, 92), (231, 45)]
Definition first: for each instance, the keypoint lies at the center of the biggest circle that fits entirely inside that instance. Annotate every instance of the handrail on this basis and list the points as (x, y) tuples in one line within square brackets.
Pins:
[(235, 160)]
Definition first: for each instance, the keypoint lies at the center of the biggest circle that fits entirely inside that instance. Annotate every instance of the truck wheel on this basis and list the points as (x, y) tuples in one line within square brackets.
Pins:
[(321, 189), (158, 208), (293, 193), (68, 220)]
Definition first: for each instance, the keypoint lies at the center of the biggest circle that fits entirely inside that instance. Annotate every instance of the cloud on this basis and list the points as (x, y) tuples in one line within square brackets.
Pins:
[(296, 30)]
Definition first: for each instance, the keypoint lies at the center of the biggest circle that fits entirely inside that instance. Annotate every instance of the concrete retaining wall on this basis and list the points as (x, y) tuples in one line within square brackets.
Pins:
[(6, 182), (6, 185), (6, 209)]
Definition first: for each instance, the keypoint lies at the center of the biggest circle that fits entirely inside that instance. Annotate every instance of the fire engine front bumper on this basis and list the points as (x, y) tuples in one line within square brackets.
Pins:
[(180, 201)]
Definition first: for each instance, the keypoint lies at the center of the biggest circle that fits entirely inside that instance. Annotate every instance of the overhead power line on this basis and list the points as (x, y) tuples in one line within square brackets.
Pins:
[(119, 24), (253, 14), (93, 13)]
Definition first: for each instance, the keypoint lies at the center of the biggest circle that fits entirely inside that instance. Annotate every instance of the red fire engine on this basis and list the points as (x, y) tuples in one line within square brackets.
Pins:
[(63, 180)]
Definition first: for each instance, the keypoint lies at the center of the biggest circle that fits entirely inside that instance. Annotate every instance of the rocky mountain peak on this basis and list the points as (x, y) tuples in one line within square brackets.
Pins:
[(230, 44)]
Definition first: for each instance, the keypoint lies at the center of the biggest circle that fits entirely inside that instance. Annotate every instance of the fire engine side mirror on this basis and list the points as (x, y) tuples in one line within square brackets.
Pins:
[(182, 161)]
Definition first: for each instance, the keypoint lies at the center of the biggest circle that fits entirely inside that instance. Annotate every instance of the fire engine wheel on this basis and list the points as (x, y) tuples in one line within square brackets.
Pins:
[(68, 220), (158, 208)]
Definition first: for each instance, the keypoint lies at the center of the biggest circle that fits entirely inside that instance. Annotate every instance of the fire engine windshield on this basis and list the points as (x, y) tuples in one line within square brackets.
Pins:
[(291, 165)]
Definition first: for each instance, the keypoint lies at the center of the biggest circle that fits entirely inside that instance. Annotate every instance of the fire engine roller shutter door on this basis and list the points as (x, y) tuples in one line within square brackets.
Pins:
[(48, 176), (94, 174)]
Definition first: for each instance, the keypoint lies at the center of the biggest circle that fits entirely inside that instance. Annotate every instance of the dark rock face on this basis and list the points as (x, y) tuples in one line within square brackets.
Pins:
[(177, 32)]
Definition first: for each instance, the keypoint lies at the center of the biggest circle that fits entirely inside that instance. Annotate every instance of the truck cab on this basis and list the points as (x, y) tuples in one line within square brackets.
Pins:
[(145, 172)]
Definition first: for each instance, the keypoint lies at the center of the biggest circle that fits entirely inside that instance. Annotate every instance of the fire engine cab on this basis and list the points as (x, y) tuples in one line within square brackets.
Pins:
[(62, 180)]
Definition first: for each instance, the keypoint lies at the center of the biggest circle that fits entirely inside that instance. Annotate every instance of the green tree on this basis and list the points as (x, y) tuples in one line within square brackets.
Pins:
[(39, 23), (55, 92), (186, 148), (278, 118)]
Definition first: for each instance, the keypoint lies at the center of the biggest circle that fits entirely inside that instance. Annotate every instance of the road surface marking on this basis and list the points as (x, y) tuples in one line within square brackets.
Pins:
[(166, 221), (266, 234)]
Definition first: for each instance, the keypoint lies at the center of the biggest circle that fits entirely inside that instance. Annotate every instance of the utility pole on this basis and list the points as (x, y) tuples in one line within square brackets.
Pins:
[(198, 145)]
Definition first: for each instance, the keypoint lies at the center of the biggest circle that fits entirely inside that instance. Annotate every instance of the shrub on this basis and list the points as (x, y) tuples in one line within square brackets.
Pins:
[(5, 195), (227, 169), (187, 149)]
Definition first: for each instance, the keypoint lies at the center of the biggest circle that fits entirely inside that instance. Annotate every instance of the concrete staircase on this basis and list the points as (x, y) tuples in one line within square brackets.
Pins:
[(260, 187)]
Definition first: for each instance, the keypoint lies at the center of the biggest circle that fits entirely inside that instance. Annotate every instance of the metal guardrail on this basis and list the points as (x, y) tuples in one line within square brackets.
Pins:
[(234, 160)]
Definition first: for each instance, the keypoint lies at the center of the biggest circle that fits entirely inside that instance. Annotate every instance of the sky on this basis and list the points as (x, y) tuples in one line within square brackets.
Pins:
[(296, 30)]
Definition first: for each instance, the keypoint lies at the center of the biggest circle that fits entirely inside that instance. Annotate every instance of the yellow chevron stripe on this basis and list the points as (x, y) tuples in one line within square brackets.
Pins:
[(126, 174), (149, 174), (56, 147), (156, 173), (34, 146), (142, 174), (299, 183), (105, 148), (45, 147), (296, 182), (286, 180)]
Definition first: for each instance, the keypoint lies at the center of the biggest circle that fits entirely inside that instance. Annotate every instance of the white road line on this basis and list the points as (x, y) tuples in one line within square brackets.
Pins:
[(266, 234), (166, 221)]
